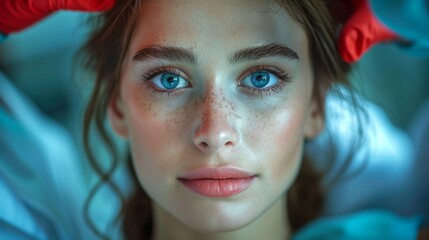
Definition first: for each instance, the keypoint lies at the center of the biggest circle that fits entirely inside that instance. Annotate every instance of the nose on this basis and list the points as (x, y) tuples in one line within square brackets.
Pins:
[(217, 125)]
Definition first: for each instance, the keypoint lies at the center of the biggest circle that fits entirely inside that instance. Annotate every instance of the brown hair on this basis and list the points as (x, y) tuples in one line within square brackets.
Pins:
[(104, 56)]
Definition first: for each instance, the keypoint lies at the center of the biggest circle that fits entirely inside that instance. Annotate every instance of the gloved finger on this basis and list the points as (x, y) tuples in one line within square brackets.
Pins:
[(76, 5), (16, 15)]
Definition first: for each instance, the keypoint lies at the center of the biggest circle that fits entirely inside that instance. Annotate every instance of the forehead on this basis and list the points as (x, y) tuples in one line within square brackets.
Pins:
[(220, 24)]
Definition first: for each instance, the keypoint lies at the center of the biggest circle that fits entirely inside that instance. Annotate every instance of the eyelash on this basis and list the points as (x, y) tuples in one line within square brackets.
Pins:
[(146, 77), (283, 77), (154, 72)]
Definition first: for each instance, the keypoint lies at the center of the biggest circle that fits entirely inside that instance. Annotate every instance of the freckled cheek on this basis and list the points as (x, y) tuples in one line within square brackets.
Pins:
[(154, 138), (280, 140)]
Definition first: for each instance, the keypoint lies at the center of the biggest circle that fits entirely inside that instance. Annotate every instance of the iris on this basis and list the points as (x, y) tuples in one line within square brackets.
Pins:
[(260, 79), (170, 80)]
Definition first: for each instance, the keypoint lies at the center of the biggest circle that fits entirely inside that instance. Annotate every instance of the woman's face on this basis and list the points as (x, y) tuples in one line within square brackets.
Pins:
[(216, 100)]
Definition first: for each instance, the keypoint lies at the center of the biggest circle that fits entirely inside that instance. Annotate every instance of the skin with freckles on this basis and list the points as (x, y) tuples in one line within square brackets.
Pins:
[(216, 84)]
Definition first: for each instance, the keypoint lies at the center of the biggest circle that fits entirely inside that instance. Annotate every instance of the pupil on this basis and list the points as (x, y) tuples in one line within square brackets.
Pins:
[(169, 81)]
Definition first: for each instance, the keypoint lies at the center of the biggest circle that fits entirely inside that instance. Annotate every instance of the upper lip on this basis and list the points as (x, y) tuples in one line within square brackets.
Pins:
[(216, 173)]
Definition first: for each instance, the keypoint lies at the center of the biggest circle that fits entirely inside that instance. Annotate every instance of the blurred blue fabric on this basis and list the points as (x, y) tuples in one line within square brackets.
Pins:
[(419, 129), (382, 168), (42, 185), (365, 225)]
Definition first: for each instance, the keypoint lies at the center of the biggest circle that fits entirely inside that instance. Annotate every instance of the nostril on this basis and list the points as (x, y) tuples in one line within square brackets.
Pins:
[(213, 139), (204, 144)]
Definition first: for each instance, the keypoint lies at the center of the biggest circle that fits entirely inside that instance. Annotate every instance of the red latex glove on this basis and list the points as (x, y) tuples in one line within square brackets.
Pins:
[(361, 29), (16, 15)]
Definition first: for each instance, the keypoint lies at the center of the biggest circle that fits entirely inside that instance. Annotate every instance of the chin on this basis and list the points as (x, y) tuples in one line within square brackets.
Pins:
[(219, 227), (219, 221)]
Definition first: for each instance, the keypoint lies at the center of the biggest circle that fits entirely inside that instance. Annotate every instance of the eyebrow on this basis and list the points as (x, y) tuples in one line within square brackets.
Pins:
[(263, 51), (167, 53), (243, 55)]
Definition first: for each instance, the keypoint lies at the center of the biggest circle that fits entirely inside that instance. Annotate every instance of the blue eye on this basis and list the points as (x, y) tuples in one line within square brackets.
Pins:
[(260, 80), (169, 81)]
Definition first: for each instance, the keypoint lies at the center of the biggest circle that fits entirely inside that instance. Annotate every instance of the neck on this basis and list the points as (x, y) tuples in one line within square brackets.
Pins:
[(273, 223)]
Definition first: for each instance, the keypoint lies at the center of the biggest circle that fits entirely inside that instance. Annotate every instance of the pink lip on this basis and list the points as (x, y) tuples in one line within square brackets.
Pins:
[(217, 182)]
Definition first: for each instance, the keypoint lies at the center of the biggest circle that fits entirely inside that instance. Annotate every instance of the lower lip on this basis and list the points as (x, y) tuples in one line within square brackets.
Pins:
[(218, 187)]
